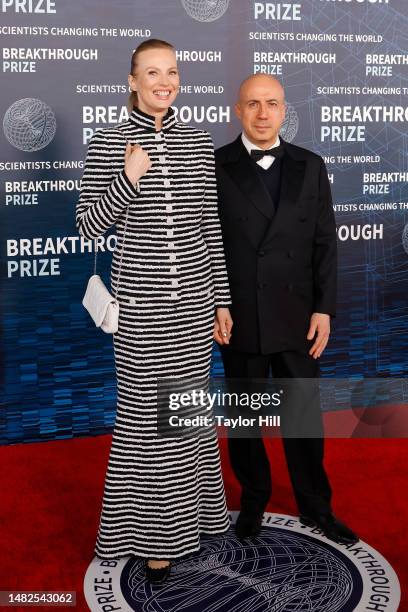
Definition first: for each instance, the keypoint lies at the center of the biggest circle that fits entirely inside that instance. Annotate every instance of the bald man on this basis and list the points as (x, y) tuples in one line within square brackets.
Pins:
[(280, 245)]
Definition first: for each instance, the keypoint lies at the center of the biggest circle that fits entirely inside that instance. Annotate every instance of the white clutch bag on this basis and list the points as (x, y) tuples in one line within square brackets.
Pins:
[(103, 308)]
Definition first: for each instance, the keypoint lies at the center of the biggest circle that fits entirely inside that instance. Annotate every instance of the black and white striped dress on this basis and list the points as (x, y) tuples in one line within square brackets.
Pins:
[(160, 493)]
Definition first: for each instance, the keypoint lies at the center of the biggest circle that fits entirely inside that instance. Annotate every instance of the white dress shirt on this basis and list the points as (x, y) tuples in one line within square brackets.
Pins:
[(266, 161)]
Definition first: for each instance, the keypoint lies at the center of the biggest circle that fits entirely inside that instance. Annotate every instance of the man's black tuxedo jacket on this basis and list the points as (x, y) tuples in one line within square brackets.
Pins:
[(281, 266)]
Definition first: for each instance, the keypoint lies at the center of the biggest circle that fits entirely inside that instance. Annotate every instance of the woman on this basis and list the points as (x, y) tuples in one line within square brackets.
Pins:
[(160, 493)]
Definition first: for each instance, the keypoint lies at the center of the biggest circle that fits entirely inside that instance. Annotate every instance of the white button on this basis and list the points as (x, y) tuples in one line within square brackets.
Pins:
[(160, 148), (169, 220), (172, 257), (173, 270), (169, 208), (158, 136), (167, 182), (174, 282), (162, 159), (170, 245), (174, 295), (165, 170), (168, 195), (170, 233)]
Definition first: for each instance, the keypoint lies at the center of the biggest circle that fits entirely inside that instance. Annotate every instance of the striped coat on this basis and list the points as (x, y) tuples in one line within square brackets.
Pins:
[(160, 493)]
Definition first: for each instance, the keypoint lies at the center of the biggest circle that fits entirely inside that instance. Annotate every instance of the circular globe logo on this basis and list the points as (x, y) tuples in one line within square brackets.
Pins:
[(290, 125), (205, 10), (29, 124), (289, 567)]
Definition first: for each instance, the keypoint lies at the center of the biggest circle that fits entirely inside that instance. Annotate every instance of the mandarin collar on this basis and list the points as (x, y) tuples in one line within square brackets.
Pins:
[(148, 122)]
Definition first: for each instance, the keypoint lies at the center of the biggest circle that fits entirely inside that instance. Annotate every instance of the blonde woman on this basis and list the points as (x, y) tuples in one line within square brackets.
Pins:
[(160, 493)]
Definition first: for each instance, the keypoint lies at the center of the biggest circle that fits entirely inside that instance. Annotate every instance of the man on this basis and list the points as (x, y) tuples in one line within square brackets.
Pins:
[(280, 245)]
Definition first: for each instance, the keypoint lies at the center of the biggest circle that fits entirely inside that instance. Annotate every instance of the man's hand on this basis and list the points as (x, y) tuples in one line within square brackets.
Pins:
[(319, 323), (222, 326)]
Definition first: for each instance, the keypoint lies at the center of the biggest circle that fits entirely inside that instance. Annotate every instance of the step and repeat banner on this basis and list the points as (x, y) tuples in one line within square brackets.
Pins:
[(344, 66)]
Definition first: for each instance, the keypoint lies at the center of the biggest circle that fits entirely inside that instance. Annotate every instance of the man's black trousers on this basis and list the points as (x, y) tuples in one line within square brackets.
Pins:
[(304, 455)]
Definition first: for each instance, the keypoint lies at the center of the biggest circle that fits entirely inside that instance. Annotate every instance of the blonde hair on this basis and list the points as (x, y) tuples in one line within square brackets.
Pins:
[(151, 43)]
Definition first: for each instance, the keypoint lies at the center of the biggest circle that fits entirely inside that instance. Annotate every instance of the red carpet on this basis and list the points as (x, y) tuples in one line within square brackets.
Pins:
[(51, 495)]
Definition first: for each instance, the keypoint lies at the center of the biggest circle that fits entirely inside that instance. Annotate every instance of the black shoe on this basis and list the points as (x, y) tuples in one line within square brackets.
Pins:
[(332, 528), (157, 575), (248, 525)]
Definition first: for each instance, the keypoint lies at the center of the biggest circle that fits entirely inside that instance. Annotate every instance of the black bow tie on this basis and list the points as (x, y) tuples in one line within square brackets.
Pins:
[(257, 154)]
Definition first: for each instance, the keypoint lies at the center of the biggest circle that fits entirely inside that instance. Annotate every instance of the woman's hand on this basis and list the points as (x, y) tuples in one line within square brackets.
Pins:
[(222, 326), (137, 162)]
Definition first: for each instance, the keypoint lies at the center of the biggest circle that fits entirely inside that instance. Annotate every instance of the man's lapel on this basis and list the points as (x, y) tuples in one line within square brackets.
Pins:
[(242, 171), (292, 177)]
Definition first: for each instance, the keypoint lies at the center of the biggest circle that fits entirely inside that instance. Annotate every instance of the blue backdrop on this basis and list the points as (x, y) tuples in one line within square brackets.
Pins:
[(344, 66)]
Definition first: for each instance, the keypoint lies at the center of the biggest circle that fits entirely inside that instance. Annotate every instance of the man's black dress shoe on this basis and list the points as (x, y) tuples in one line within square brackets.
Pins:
[(332, 528), (157, 575), (248, 525)]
